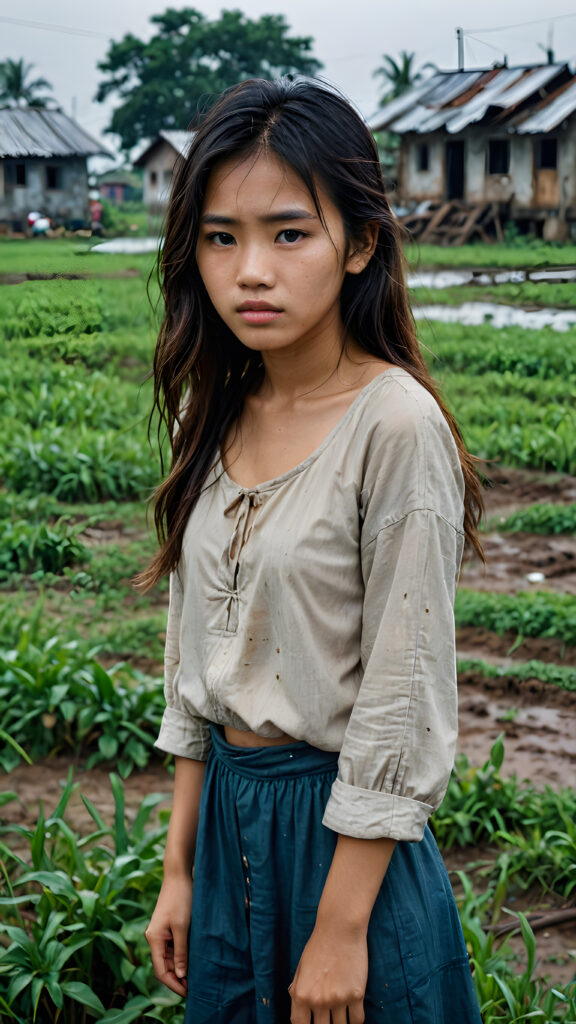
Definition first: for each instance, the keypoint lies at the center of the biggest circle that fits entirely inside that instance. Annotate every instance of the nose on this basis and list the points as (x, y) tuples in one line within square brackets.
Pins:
[(254, 267)]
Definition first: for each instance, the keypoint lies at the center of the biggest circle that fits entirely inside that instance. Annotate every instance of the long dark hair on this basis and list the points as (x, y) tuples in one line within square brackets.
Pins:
[(202, 372)]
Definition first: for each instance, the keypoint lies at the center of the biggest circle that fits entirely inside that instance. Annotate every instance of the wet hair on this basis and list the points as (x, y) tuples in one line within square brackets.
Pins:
[(202, 372)]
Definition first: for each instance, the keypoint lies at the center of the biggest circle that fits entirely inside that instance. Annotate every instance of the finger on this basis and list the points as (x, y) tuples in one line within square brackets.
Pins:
[(299, 1014), (356, 1012), (339, 1015), (162, 954), (180, 952)]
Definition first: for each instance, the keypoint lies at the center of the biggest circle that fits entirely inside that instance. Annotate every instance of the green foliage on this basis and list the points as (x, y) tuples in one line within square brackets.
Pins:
[(83, 465), (546, 519), (475, 351), (545, 672), (17, 89), (527, 294), (529, 252), (74, 918), (526, 613), (189, 59), (533, 831), (505, 995), (34, 314), (27, 547), (398, 76), (55, 697)]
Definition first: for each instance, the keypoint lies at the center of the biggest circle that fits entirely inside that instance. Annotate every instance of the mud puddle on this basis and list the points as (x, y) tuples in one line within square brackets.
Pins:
[(128, 246), (473, 314), (514, 489), (6, 279), (439, 279), (523, 561)]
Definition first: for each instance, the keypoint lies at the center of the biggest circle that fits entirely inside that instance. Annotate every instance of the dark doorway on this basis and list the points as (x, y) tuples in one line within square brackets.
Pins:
[(455, 170)]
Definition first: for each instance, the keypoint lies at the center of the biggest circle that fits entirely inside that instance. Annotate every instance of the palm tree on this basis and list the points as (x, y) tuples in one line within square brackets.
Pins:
[(398, 75), (16, 89)]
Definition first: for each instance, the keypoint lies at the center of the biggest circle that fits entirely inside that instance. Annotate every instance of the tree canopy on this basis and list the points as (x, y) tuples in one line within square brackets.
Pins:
[(399, 75), (16, 89), (190, 60)]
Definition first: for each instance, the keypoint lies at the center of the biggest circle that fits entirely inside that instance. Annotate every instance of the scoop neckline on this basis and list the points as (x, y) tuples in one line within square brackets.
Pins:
[(277, 480)]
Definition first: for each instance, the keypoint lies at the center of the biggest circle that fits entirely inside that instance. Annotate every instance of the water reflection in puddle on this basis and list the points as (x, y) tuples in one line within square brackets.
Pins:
[(438, 279), (474, 313)]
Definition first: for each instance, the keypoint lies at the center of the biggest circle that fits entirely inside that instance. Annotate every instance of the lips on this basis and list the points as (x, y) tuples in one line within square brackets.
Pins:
[(257, 313)]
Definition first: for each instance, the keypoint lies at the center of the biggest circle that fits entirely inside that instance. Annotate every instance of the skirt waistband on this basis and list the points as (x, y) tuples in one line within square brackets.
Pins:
[(280, 761)]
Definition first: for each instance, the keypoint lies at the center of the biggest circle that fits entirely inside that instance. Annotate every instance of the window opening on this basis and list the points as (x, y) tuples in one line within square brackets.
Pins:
[(423, 157), (548, 154), (53, 177), (498, 156)]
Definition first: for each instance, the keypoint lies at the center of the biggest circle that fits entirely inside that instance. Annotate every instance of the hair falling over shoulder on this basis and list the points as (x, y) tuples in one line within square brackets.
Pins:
[(202, 373)]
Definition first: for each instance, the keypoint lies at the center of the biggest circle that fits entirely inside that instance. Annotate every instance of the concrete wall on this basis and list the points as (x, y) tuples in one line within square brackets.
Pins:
[(524, 183), (567, 164), (65, 204), (420, 185), (158, 175)]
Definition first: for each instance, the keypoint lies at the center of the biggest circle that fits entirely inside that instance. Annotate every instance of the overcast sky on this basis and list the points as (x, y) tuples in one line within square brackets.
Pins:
[(350, 37)]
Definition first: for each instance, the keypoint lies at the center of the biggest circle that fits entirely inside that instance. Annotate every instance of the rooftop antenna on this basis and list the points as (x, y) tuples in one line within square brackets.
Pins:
[(549, 48), (460, 38)]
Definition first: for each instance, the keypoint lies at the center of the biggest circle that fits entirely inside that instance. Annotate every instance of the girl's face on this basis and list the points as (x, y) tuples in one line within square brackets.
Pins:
[(272, 271)]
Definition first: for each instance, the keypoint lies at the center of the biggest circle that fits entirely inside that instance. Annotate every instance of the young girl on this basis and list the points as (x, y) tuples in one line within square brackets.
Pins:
[(313, 522)]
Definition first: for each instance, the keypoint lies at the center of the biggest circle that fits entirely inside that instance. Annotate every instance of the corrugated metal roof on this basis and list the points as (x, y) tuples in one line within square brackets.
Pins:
[(551, 114), (535, 78), (454, 99), (29, 131), (178, 139), (474, 111)]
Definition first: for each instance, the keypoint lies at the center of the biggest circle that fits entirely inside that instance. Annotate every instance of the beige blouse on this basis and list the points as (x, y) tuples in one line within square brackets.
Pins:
[(320, 604)]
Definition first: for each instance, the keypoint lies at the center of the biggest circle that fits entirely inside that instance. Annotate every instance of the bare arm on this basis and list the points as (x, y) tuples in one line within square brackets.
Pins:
[(333, 969), (167, 933)]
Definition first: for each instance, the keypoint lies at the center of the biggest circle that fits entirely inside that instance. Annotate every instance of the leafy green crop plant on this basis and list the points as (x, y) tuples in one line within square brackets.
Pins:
[(55, 697), (74, 918)]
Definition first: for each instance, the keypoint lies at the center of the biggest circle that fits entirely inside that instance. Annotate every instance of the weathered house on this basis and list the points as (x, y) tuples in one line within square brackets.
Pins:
[(43, 167), (158, 160), (499, 143), (120, 186)]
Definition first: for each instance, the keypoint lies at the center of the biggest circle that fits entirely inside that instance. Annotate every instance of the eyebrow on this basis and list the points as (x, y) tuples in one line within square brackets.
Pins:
[(268, 218)]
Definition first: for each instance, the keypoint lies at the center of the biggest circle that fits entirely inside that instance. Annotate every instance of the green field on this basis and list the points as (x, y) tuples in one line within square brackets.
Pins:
[(81, 652)]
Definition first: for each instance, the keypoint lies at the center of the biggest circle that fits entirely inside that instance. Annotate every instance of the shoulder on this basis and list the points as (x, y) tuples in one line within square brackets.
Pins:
[(399, 409), (410, 458)]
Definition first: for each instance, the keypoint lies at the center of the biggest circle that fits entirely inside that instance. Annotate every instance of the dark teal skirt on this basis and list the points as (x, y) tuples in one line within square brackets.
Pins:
[(261, 862)]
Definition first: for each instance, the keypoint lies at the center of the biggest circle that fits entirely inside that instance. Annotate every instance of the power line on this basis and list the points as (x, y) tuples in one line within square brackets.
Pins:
[(498, 49), (520, 24), (49, 27)]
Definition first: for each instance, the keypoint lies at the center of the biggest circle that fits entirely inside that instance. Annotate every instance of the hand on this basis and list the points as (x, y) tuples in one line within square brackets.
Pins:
[(167, 934), (331, 977)]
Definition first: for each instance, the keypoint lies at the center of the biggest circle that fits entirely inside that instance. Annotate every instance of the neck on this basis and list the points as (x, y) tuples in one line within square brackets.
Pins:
[(303, 369)]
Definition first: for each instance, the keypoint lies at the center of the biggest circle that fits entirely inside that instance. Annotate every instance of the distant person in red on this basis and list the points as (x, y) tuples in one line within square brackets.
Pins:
[(96, 211)]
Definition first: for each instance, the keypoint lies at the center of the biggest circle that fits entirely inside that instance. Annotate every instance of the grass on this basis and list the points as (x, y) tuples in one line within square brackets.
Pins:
[(534, 253), (66, 256), (530, 294)]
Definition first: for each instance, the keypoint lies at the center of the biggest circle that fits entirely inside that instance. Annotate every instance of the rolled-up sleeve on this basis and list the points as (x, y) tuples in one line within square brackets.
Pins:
[(399, 744), (181, 733)]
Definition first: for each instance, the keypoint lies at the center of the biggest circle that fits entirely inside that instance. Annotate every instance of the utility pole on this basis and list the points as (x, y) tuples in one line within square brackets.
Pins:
[(460, 38)]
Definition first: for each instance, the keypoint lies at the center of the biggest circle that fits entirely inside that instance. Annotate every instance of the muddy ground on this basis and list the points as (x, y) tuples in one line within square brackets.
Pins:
[(538, 720)]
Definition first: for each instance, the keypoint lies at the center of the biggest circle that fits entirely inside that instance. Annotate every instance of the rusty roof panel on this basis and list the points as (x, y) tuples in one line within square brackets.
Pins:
[(479, 104), (395, 108), (551, 113), (455, 99), (430, 109), (532, 80), (35, 132)]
